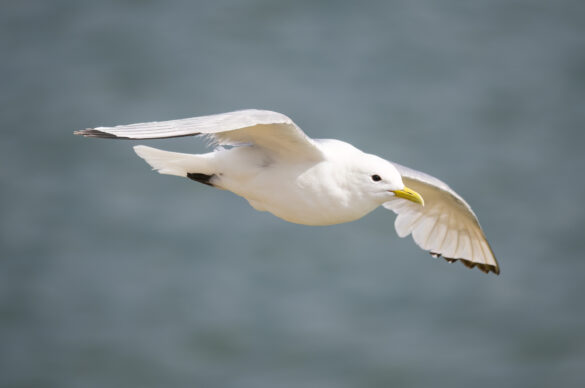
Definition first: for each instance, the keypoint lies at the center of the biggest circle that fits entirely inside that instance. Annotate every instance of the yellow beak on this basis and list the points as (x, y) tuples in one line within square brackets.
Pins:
[(410, 194)]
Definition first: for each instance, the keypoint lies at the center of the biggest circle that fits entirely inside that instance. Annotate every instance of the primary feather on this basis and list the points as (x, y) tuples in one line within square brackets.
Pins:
[(446, 226)]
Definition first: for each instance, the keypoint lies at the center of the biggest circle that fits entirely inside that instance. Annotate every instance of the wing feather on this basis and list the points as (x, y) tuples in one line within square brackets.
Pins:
[(270, 130), (446, 226), (431, 234)]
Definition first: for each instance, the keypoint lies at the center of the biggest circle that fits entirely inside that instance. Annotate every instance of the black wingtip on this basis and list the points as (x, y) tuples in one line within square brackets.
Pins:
[(201, 178), (486, 268), (91, 132)]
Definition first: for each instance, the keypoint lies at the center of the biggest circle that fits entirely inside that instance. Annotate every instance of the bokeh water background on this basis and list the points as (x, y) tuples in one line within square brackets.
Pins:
[(113, 276)]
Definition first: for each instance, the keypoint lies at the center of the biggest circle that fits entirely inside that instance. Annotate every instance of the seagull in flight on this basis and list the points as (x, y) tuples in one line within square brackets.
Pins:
[(266, 158)]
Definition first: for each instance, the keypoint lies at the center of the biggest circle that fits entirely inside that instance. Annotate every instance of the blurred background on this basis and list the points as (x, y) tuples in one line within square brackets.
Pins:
[(114, 276)]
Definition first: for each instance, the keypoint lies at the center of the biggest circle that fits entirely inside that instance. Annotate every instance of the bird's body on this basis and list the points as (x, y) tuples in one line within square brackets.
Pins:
[(317, 191), (265, 158)]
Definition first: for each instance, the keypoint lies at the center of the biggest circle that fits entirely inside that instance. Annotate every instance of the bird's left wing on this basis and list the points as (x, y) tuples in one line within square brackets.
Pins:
[(446, 226), (270, 130)]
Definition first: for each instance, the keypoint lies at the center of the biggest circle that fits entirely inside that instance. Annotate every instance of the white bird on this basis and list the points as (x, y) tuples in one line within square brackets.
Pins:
[(266, 158)]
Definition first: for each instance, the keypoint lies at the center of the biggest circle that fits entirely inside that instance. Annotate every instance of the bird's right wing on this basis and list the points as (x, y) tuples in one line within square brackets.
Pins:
[(446, 226), (270, 130)]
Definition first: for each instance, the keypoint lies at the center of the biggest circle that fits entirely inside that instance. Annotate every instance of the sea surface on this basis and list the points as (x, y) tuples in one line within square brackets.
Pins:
[(114, 276)]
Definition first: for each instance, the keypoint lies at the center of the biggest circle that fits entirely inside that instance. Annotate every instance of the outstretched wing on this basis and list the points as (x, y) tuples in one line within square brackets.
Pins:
[(270, 130), (446, 226)]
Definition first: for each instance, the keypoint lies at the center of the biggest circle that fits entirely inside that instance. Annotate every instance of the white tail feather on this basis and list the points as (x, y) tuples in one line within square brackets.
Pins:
[(174, 163)]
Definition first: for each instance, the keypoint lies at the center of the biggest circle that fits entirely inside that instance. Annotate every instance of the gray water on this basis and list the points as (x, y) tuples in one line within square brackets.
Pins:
[(114, 276)]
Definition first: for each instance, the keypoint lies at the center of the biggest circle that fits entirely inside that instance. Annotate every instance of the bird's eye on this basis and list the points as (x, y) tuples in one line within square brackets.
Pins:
[(376, 178)]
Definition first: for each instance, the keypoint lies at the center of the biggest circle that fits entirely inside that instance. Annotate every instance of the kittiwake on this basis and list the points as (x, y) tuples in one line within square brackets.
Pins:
[(266, 158)]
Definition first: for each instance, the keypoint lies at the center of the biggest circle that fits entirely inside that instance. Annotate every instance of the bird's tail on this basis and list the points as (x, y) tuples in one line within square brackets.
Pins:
[(174, 163)]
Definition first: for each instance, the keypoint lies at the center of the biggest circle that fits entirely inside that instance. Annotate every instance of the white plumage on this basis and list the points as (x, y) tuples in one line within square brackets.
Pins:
[(445, 226), (275, 166)]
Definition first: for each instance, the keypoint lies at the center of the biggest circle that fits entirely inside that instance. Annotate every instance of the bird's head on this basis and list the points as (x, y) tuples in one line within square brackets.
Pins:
[(382, 181)]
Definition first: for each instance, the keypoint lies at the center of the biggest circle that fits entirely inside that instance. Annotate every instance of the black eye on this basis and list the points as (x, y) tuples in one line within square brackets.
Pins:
[(376, 178)]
